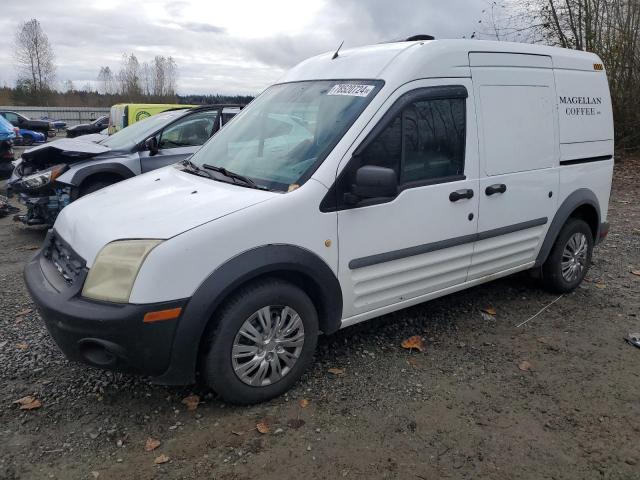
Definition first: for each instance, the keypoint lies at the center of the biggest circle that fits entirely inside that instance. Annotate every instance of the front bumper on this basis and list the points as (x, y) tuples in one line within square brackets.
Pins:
[(105, 335)]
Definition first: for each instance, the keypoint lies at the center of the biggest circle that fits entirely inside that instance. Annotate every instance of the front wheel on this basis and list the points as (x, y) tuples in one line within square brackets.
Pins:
[(27, 140), (570, 257), (264, 341)]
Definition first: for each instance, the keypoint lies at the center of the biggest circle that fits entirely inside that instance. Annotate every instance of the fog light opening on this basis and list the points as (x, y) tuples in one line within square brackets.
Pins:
[(96, 353)]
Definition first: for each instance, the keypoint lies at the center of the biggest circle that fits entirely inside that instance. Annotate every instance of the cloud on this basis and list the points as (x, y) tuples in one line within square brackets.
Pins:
[(202, 27), (235, 47)]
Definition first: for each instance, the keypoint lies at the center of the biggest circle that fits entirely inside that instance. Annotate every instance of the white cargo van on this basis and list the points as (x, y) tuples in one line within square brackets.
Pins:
[(362, 183)]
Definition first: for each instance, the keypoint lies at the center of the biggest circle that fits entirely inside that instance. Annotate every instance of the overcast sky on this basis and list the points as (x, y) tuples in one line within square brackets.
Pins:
[(230, 46)]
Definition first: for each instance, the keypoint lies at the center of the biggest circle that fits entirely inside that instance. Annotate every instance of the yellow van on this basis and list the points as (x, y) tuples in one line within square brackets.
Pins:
[(124, 114)]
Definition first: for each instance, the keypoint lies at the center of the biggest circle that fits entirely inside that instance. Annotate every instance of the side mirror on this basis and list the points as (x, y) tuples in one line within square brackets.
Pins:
[(373, 182), (151, 144)]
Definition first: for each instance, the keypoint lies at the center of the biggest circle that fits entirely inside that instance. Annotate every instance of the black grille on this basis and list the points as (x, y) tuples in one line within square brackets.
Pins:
[(63, 258)]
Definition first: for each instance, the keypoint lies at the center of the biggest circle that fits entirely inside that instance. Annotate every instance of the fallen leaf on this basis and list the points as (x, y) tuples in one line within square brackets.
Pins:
[(22, 346), (304, 403), (237, 433), (95, 474), (525, 366), (262, 427), (295, 423), (336, 371), (23, 312), (412, 362), (600, 285), (636, 272), (413, 342), (486, 317), (19, 319), (191, 402), (490, 311), (28, 403), (29, 247), (161, 459), (151, 444)]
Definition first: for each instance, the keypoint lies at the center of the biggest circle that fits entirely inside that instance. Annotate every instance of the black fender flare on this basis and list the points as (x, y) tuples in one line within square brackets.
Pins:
[(254, 263), (115, 168), (580, 197)]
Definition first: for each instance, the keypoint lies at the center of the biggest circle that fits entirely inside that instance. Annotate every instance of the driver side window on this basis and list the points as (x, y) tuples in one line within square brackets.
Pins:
[(191, 131)]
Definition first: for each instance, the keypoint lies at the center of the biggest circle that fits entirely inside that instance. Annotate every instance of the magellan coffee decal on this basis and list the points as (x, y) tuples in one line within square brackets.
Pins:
[(580, 106)]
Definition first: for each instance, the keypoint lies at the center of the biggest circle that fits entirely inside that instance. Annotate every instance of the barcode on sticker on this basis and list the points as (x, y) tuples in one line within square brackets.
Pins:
[(351, 89)]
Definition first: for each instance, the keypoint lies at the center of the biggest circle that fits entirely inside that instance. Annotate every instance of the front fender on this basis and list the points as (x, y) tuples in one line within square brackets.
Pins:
[(78, 173), (228, 278)]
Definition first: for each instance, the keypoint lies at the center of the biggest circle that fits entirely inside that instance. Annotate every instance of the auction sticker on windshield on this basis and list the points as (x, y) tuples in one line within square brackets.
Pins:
[(351, 89)]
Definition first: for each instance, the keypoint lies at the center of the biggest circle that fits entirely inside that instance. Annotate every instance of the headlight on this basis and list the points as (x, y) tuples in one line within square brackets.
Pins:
[(40, 179), (115, 269)]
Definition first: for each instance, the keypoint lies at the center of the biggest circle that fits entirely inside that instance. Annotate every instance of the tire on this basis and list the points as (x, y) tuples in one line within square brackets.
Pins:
[(575, 236), (94, 187), (27, 140), (218, 368)]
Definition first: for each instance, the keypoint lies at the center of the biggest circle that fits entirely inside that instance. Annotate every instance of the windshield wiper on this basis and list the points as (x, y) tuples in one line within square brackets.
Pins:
[(234, 176), (195, 169)]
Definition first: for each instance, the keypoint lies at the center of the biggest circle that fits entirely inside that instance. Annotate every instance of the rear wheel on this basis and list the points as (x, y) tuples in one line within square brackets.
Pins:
[(570, 257), (27, 140), (264, 341)]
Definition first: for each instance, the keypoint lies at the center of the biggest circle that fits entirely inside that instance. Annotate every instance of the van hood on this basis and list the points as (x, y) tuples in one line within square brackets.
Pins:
[(159, 204)]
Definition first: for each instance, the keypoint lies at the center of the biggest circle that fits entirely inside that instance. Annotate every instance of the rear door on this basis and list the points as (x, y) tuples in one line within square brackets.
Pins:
[(519, 151), (180, 140)]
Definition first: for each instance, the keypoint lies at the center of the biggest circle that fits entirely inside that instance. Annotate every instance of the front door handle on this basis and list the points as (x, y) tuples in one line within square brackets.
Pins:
[(460, 194), (497, 188)]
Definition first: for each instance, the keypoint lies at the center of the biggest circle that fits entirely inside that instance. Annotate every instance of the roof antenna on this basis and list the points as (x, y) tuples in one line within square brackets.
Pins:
[(335, 55)]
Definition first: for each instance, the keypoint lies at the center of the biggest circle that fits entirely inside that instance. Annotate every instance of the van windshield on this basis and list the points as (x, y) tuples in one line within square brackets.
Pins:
[(285, 133), (130, 136)]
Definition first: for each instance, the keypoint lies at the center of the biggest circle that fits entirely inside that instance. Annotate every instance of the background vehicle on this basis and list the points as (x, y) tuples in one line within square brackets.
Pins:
[(29, 137), (96, 126), (58, 124), (20, 121), (124, 114), (49, 176), (7, 134)]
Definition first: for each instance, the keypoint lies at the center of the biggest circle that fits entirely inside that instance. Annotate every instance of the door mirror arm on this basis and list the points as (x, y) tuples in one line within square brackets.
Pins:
[(151, 144)]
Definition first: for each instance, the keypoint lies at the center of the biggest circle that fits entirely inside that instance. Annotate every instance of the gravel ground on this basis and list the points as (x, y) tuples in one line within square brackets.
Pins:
[(466, 407)]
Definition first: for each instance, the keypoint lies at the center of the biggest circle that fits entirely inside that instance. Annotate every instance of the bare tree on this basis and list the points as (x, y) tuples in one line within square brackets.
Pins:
[(147, 79), (159, 76), (171, 75), (34, 56), (129, 76), (106, 81)]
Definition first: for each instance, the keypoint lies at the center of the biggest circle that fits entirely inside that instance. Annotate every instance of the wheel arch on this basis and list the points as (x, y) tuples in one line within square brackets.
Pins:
[(582, 204), (106, 169), (294, 264)]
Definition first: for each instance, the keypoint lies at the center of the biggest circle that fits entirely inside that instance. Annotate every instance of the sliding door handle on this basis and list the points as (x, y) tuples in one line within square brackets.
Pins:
[(460, 194), (497, 188)]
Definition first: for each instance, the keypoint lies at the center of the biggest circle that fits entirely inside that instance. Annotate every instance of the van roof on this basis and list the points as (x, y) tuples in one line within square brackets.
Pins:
[(405, 61)]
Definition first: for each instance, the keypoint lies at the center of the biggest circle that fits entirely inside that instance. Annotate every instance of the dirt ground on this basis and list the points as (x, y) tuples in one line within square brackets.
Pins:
[(463, 408)]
